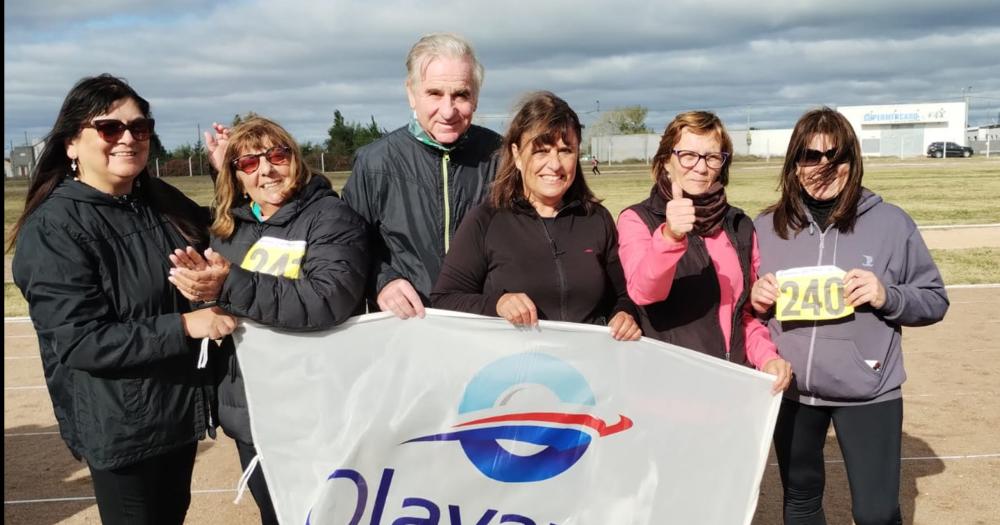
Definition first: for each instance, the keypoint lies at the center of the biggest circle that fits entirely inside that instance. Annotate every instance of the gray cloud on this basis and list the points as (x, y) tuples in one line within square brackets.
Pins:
[(298, 62)]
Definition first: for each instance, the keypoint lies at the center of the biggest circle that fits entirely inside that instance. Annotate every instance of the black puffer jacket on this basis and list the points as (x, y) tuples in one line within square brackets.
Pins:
[(398, 186), (568, 265), (120, 371), (303, 269)]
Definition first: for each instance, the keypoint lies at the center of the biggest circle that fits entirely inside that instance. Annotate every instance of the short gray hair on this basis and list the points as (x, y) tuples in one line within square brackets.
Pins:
[(436, 45)]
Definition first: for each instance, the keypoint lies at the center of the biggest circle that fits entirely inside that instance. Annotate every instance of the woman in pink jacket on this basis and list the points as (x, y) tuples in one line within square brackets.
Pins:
[(690, 258)]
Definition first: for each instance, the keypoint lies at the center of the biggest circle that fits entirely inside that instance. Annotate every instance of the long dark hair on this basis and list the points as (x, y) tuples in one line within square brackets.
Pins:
[(789, 211), (90, 97), (544, 118)]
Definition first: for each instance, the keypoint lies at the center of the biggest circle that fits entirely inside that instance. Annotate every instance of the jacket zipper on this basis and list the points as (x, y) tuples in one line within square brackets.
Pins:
[(812, 337), (559, 270), (447, 206), (737, 306)]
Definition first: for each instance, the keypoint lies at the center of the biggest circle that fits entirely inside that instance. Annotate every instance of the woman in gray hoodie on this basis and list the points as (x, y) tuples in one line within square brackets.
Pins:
[(848, 368)]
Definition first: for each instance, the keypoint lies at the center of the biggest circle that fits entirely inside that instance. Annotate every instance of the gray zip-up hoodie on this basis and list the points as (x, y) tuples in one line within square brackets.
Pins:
[(857, 359)]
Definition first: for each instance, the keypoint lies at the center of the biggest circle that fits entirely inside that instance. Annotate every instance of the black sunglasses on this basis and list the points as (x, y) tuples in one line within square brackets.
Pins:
[(812, 157), (111, 130), (276, 155)]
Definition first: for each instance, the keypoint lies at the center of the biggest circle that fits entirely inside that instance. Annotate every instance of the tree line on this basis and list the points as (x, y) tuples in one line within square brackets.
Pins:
[(344, 138), (333, 154)]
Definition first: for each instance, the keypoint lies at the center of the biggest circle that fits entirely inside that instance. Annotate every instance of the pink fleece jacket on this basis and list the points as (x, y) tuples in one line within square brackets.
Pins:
[(651, 260)]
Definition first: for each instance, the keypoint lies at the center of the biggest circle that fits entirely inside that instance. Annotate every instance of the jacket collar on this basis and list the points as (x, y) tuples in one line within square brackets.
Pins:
[(317, 188), (425, 138)]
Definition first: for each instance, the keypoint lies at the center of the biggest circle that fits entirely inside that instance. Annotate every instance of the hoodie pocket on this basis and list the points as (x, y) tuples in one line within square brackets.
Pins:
[(837, 371)]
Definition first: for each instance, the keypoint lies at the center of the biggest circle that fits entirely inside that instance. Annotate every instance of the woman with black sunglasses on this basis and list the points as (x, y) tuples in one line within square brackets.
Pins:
[(119, 345), (299, 258), (690, 257), (848, 368)]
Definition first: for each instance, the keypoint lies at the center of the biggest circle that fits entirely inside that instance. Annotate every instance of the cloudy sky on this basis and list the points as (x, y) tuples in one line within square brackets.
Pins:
[(296, 62)]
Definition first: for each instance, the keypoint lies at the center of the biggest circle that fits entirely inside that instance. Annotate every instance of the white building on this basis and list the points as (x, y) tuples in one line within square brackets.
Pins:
[(905, 130)]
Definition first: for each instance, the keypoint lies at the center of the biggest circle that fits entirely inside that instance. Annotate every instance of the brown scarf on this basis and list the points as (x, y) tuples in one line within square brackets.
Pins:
[(709, 207)]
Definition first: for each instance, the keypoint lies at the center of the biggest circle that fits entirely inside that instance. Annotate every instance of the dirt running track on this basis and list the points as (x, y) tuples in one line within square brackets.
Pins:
[(951, 454)]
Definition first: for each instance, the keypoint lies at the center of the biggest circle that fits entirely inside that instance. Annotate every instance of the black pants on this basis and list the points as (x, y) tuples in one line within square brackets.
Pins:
[(257, 484), (154, 491), (869, 437)]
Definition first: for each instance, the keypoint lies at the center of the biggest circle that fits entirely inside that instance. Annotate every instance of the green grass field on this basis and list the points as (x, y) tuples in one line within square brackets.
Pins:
[(932, 191)]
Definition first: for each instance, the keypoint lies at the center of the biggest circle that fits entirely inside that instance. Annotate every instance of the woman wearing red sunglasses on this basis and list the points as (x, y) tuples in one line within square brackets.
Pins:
[(118, 343), (848, 370), (299, 258)]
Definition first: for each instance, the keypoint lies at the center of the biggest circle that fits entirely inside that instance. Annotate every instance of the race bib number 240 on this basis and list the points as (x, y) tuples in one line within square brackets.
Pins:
[(813, 293)]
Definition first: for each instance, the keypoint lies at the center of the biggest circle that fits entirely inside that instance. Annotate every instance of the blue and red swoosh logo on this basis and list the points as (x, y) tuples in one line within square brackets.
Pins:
[(564, 436)]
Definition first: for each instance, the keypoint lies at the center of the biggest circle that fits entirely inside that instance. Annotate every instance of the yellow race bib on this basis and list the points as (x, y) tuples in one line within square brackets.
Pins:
[(812, 293), (275, 256)]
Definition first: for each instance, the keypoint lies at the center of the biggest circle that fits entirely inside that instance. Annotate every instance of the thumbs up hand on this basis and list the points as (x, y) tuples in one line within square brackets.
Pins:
[(680, 214)]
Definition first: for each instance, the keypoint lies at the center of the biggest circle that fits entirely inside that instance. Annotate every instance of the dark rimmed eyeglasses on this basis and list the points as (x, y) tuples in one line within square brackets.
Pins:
[(812, 157), (276, 155), (690, 159), (112, 130)]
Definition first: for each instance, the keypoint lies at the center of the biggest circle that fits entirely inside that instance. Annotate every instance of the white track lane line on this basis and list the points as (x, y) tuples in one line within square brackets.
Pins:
[(91, 498)]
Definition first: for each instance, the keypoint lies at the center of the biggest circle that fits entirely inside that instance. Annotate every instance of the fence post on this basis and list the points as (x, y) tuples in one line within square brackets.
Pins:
[(322, 162), (190, 171), (157, 167)]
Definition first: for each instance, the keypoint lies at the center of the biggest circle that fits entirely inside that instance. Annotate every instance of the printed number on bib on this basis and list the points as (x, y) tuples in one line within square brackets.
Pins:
[(813, 293), (275, 256)]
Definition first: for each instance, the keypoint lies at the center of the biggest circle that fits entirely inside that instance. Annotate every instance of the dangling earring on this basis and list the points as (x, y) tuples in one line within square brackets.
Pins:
[(72, 166)]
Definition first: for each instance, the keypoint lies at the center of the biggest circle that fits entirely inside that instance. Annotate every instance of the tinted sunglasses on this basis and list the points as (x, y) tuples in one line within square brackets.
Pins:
[(276, 155), (111, 130), (812, 157)]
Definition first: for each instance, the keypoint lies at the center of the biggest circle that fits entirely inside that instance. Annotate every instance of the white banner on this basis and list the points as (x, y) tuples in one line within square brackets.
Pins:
[(459, 419)]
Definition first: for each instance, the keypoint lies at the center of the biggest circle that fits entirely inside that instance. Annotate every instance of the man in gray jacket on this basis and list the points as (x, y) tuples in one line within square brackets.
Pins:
[(415, 184)]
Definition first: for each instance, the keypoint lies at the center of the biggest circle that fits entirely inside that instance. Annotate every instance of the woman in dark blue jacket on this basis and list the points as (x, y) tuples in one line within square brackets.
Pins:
[(286, 252), (118, 343)]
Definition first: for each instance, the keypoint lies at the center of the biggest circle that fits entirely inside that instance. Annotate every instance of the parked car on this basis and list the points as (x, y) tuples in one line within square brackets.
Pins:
[(948, 149)]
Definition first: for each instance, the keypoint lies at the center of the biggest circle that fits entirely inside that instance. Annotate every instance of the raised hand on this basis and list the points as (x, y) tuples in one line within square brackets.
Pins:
[(680, 214), (216, 145)]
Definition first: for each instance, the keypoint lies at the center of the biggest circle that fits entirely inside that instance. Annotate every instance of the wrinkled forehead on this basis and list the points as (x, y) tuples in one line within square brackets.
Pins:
[(446, 69)]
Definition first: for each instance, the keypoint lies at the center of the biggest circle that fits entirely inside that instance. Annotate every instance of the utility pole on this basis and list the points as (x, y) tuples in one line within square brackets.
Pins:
[(201, 170), (965, 131), (748, 132)]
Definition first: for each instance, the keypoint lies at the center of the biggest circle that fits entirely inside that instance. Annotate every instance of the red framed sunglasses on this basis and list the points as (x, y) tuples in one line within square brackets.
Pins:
[(112, 130), (276, 155)]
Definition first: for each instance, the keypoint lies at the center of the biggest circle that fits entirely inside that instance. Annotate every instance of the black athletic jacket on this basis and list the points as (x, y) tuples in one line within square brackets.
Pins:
[(568, 265), (119, 369), (303, 269), (401, 187)]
